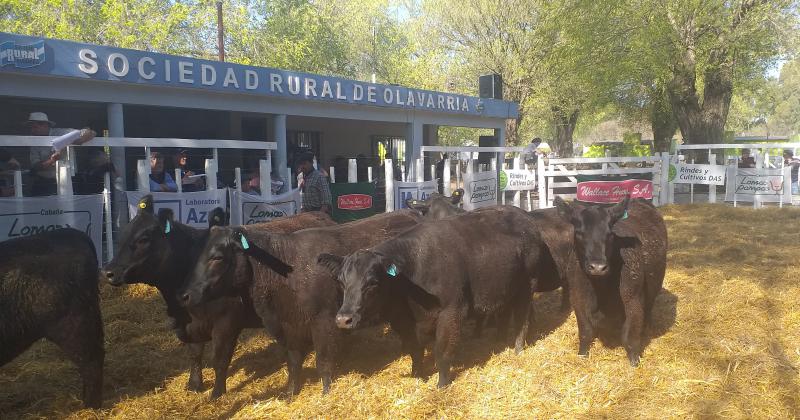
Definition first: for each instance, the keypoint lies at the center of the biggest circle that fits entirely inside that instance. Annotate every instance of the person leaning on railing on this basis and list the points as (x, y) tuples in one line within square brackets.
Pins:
[(43, 158), (160, 180)]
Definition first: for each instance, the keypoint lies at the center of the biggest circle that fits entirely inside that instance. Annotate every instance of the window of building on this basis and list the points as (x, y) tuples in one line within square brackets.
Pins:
[(395, 145)]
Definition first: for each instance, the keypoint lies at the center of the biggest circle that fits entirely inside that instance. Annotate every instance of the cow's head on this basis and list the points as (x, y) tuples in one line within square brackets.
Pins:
[(223, 267), (437, 206), (360, 275), (143, 246), (594, 234)]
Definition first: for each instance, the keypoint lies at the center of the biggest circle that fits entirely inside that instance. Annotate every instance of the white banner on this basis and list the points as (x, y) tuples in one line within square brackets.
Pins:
[(699, 174), (480, 190), (517, 180), (189, 208), (770, 185), (415, 190), (247, 209), (31, 215)]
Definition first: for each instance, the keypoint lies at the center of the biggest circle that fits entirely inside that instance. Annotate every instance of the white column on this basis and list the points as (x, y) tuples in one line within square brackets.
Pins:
[(279, 137), (211, 174), (446, 177), (413, 143), (389, 176), (143, 175), (265, 169), (352, 171)]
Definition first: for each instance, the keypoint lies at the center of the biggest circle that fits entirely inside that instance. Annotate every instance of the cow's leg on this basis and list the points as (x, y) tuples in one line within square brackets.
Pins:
[(502, 318), (224, 338), (448, 332), (630, 289), (325, 336), (480, 318), (565, 304), (523, 312), (196, 368), (582, 299), (294, 364), (80, 337), (410, 344)]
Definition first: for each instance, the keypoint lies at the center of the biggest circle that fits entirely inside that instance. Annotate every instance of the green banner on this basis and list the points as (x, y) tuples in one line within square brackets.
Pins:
[(353, 201)]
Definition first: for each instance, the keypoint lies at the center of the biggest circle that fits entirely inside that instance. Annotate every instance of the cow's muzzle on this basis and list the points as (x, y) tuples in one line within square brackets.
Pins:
[(346, 321), (112, 279), (597, 268)]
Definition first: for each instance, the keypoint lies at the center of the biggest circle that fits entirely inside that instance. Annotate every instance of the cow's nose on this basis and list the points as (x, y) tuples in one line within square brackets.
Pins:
[(598, 269), (185, 298), (344, 321), (109, 276)]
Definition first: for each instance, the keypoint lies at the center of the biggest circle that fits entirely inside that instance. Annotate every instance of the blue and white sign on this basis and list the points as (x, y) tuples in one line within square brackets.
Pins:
[(86, 61), (22, 56), (416, 190), (248, 209), (189, 208)]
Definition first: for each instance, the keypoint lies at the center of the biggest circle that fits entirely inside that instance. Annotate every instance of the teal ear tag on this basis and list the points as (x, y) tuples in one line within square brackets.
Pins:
[(625, 215), (392, 270), (245, 244), (168, 227)]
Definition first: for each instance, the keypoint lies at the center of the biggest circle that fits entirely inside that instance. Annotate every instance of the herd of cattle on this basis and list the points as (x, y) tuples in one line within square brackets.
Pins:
[(306, 279)]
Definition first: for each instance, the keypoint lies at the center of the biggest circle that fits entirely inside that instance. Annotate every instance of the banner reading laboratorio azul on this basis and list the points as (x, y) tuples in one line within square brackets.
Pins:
[(769, 185), (189, 208), (480, 190), (517, 180), (613, 191), (416, 190), (699, 174), (247, 209), (32, 215)]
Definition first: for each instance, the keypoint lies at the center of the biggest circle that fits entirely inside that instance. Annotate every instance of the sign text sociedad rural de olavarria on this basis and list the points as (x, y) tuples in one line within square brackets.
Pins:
[(700, 174)]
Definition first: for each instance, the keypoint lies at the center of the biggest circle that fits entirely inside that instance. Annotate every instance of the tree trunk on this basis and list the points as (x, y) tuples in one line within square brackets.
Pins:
[(565, 126), (662, 120)]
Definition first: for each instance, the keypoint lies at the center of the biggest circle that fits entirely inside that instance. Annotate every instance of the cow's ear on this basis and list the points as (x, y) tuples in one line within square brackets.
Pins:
[(217, 217), (417, 205), (565, 210), (457, 196), (619, 210), (165, 219), (145, 205), (332, 263)]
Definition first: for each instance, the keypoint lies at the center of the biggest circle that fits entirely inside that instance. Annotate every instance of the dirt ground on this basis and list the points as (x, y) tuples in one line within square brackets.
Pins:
[(725, 343)]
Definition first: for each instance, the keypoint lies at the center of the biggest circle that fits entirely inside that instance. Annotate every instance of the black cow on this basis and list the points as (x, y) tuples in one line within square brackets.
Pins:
[(425, 281), (438, 206), (48, 289), (278, 272), (618, 266), (158, 251)]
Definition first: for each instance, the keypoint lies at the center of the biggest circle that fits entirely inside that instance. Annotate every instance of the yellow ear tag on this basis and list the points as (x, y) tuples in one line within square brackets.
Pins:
[(142, 205)]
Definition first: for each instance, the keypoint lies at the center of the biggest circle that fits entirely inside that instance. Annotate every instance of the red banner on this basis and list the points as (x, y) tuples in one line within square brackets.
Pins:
[(614, 191), (354, 202)]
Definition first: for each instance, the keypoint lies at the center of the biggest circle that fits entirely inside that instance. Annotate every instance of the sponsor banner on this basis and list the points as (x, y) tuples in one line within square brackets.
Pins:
[(189, 208), (22, 56), (517, 180), (769, 185), (613, 191), (415, 190), (247, 209), (480, 190), (352, 201), (32, 215), (699, 174)]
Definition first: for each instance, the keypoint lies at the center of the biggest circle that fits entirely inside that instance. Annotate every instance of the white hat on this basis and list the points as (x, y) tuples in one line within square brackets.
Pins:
[(543, 147), (40, 117)]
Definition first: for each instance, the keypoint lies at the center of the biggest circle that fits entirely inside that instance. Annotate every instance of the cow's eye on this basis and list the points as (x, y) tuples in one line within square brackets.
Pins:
[(215, 258), (143, 239)]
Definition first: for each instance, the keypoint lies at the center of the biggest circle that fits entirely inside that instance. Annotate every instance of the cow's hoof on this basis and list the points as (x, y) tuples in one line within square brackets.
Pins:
[(583, 353), (216, 393), (634, 361), (195, 386)]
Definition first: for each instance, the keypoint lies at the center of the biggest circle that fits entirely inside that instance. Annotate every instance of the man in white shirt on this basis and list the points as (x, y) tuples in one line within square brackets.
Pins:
[(43, 158)]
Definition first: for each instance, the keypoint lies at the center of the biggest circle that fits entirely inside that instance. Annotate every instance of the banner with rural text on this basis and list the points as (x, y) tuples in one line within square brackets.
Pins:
[(480, 190), (32, 215), (247, 209), (352, 201), (189, 208), (765, 185)]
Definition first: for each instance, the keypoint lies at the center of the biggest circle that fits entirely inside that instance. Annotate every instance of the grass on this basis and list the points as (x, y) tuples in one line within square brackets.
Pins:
[(725, 344)]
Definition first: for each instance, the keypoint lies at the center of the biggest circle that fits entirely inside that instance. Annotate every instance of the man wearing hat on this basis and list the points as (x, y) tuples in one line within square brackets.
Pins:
[(43, 158)]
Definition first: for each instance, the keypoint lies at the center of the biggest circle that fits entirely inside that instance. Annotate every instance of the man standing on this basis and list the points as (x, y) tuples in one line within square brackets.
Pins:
[(790, 160), (316, 192), (43, 158)]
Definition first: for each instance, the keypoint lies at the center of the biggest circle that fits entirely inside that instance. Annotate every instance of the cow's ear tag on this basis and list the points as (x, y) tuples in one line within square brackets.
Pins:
[(625, 215), (456, 193), (167, 227), (392, 270), (142, 205), (245, 244)]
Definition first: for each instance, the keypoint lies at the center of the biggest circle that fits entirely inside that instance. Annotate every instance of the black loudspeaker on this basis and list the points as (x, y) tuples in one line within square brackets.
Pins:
[(487, 141), (490, 86)]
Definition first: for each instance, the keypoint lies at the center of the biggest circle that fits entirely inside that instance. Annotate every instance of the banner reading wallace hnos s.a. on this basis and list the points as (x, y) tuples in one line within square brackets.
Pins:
[(613, 189), (352, 201), (32, 215)]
